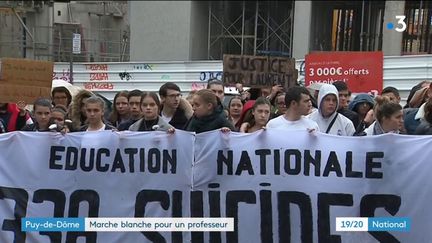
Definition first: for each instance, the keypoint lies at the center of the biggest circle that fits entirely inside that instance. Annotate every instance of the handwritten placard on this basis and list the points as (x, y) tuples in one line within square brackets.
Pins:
[(28, 94), (24, 79), (259, 71)]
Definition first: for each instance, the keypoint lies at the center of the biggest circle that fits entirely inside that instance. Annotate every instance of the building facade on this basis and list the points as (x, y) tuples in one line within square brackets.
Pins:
[(192, 30), (43, 30), (116, 31)]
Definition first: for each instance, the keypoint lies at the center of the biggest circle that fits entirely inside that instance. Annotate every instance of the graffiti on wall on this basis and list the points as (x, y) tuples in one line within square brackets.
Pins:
[(125, 75), (144, 66), (98, 86), (205, 76), (64, 75)]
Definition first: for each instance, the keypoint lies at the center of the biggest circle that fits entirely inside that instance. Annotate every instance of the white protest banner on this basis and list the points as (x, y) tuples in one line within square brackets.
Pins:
[(290, 186), (278, 186), (94, 174)]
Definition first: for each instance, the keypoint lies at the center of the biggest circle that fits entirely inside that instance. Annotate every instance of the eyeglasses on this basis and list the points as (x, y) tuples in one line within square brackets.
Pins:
[(172, 96)]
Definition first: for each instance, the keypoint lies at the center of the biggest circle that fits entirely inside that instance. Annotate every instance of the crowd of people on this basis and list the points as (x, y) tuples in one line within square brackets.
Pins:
[(326, 109)]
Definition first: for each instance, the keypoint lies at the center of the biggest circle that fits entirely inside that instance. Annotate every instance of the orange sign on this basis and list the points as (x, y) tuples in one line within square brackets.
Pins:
[(362, 71)]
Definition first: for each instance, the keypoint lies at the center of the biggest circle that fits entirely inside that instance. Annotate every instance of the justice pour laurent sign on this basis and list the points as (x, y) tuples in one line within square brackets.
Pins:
[(259, 71)]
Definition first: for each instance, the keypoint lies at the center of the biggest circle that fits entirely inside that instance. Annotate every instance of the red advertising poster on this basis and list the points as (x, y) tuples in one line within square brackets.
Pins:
[(362, 71)]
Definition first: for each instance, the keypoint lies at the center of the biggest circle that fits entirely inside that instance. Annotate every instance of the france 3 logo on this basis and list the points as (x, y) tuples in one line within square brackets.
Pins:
[(401, 24)]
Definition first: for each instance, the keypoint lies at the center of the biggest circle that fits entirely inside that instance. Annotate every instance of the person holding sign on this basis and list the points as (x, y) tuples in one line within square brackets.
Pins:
[(327, 117), (298, 103), (208, 114), (151, 121)]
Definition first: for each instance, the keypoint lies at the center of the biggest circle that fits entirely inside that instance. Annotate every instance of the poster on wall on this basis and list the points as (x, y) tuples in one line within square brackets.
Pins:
[(362, 71)]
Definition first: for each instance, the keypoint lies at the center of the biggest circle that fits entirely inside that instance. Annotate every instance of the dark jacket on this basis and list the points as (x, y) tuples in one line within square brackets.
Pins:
[(410, 122), (353, 106), (352, 115), (124, 126), (2, 127), (214, 121), (179, 119), (361, 98), (182, 114), (425, 128), (33, 128)]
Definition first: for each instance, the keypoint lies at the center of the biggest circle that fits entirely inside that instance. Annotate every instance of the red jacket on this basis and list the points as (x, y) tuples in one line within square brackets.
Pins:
[(13, 109)]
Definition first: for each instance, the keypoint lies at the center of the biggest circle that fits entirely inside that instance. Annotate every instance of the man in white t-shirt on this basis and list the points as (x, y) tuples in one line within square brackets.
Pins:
[(298, 103)]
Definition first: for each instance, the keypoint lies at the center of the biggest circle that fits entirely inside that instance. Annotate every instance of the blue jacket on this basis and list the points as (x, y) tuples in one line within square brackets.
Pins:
[(360, 98), (410, 122)]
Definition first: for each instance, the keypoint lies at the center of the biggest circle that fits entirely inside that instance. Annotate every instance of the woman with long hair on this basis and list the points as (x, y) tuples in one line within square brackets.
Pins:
[(120, 112), (235, 107), (151, 121), (77, 109), (257, 117)]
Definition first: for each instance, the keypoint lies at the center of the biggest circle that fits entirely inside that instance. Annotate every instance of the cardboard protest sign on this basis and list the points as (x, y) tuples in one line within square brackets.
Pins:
[(259, 71), (362, 71), (23, 79)]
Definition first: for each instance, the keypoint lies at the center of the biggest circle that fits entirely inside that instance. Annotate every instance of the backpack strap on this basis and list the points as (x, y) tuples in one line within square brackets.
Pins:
[(331, 123)]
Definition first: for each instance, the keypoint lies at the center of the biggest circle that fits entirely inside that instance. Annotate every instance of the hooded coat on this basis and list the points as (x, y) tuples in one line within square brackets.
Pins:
[(342, 126), (360, 98)]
